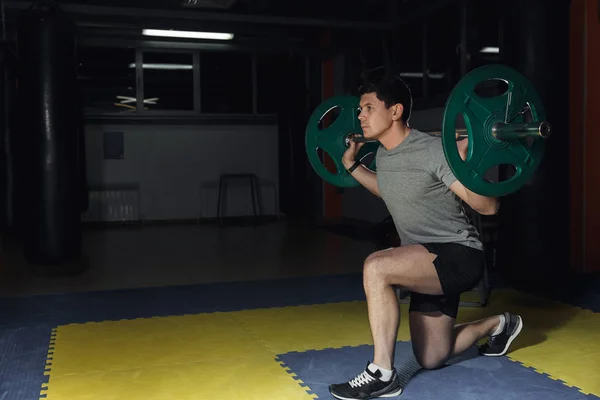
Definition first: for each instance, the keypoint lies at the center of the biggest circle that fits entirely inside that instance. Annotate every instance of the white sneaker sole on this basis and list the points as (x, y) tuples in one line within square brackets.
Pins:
[(387, 395), (510, 339)]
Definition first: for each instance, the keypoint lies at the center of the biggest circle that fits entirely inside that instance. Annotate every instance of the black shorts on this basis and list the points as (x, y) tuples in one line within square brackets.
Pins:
[(459, 268)]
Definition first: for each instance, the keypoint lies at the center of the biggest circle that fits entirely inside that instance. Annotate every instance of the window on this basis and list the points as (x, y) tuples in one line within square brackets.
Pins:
[(226, 82), (168, 81), (107, 82), (186, 82)]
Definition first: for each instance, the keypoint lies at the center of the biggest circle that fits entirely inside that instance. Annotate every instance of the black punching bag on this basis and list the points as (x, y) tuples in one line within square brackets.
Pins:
[(49, 181), (534, 222)]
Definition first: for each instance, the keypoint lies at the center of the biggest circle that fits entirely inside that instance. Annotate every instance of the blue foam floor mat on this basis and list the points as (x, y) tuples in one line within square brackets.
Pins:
[(23, 360), (59, 309), (468, 377)]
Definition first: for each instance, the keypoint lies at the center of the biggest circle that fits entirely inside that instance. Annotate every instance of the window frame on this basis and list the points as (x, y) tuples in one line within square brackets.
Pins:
[(140, 114), (140, 83)]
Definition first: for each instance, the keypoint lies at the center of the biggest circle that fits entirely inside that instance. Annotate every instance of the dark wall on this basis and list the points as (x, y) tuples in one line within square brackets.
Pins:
[(7, 89), (535, 220), (299, 87)]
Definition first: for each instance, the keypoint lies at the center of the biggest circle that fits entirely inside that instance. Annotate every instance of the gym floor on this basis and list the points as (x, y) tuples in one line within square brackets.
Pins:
[(274, 311)]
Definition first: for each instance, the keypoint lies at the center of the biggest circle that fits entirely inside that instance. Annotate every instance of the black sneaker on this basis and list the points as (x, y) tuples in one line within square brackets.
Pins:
[(367, 385), (498, 345)]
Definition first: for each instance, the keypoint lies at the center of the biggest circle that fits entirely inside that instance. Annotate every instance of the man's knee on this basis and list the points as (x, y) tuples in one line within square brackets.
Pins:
[(372, 267), (431, 359)]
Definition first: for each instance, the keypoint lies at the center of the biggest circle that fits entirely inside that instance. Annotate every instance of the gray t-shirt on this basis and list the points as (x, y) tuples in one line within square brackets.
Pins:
[(413, 180)]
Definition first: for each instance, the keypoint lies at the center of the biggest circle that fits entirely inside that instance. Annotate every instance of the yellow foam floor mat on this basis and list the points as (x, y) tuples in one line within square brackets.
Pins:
[(254, 377), (232, 355), (152, 342)]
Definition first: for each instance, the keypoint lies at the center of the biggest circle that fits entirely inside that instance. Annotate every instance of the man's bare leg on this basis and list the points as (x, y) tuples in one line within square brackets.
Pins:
[(436, 338), (411, 267), (467, 334)]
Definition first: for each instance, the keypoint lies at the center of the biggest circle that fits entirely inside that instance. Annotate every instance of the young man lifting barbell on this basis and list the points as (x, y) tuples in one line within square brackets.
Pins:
[(440, 256)]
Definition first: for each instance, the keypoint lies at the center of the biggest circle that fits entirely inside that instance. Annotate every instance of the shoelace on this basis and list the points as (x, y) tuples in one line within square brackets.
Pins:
[(361, 380)]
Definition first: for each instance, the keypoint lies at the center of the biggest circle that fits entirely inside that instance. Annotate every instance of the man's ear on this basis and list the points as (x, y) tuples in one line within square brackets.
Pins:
[(398, 110)]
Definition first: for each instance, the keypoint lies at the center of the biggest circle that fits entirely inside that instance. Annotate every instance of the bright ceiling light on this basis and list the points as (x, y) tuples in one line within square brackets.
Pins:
[(490, 50), (164, 66), (188, 34)]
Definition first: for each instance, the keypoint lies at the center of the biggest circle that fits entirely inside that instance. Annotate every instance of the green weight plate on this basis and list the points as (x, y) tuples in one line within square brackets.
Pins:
[(332, 139), (480, 114)]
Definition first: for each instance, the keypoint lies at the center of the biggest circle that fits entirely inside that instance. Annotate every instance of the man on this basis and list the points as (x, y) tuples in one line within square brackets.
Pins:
[(440, 255)]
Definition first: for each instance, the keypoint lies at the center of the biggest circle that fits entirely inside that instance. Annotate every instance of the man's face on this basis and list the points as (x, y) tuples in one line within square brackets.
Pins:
[(375, 118)]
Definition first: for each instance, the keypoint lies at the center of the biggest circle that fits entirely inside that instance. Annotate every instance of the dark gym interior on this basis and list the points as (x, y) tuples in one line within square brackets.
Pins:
[(156, 195)]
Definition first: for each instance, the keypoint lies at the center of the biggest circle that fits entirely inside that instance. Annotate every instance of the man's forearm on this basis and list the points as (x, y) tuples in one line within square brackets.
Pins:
[(367, 178)]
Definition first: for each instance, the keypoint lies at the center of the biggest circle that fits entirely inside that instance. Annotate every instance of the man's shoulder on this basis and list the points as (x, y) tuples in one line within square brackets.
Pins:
[(418, 143), (432, 141), (429, 143), (427, 137)]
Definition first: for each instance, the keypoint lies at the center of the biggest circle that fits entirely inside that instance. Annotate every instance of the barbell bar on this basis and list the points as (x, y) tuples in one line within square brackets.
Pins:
[(503, 131)]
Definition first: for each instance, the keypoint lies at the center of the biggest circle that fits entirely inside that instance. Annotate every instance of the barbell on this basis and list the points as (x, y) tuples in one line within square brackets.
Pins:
[(507, 128)]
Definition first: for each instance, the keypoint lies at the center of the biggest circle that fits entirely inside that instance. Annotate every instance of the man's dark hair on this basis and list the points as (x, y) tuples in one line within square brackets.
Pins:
[(389, 89)]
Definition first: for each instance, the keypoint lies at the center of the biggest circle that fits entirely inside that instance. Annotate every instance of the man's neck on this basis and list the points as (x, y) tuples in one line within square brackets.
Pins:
[(394, 136)]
